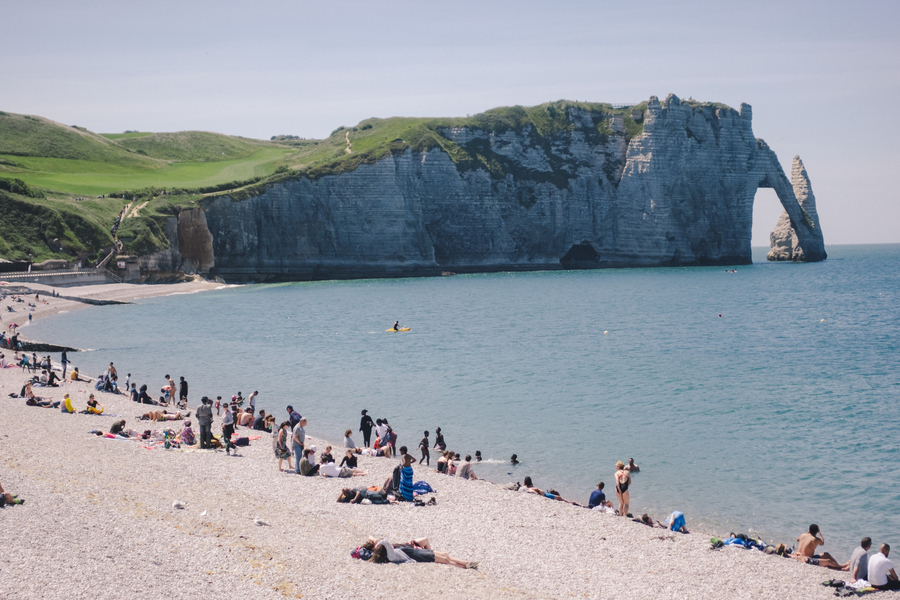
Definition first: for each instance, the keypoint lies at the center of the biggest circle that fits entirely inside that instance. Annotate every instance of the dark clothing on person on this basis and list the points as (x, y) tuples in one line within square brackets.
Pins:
[(597, 496), (349, 461), (183, 392), (365, 425), (260, 423)]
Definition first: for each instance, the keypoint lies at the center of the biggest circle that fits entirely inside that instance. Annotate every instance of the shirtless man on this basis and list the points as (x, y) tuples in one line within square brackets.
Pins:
[(806, 547)]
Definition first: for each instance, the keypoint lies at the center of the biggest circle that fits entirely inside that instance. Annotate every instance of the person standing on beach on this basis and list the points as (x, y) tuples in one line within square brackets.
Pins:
[(298, 442), (365, 426), (252, 400), (64, 359), (293, 415), (623, 480), (227, 428), (183, 392), (204, 419)]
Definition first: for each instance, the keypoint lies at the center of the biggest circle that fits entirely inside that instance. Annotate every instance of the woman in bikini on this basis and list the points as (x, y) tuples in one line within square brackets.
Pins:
[(623, 480)]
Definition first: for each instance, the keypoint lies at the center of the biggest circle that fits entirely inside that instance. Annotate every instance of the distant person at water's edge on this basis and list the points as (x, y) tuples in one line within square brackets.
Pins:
[(597, 496), (365, 426), (623, 480), (806, 546), (293, 415), (423, 445), (881, 570), (439, 443), (204, 419), (298, 442)]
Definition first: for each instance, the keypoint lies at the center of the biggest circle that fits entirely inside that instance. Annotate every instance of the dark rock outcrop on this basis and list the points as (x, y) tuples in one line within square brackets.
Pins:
[(678, 193)]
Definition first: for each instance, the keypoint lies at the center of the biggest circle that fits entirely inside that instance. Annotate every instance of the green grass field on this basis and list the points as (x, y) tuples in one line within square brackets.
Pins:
[(58, 163), (91, 178)]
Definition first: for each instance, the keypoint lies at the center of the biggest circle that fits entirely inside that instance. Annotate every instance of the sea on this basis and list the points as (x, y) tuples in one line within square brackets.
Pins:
[(756, 398)]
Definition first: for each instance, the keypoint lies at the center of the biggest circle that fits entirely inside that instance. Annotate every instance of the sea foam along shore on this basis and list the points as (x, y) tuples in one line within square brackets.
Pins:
[(98, 522)]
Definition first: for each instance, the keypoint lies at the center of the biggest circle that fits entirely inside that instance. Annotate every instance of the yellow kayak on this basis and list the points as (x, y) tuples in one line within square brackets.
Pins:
[(401, 329)]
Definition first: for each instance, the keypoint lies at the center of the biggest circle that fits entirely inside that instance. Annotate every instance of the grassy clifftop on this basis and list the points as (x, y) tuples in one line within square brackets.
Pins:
[(60, 164)]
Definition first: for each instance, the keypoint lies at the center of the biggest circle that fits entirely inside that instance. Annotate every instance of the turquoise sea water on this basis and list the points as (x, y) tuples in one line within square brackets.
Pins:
[(765, 418)]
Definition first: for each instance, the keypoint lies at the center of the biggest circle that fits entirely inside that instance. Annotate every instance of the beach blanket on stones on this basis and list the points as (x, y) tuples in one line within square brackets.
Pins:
[(422, 487)]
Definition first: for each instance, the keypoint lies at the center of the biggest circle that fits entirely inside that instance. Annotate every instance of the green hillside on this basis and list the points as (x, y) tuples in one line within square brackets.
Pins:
[(26, 135), (192, 146), (58, 165)]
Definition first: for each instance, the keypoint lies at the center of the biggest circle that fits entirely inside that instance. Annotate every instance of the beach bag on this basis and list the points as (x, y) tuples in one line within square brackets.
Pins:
[(361, 553)]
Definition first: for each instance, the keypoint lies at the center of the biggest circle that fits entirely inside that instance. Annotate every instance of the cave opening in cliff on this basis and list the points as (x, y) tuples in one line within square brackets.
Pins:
[(766, 210), (580, 256)]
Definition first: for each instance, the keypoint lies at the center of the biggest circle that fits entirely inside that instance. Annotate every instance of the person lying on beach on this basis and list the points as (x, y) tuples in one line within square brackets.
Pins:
[(162, 415), (806, 546), (369, 451), (416, 551), (357, 495), (675, 522), (529, 487), (645, 519), (7, 498), (92, 406), (32, 400), (330, 469)]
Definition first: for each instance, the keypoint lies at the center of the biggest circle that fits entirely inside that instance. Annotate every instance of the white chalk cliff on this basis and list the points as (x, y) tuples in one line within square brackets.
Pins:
[(680, 192)]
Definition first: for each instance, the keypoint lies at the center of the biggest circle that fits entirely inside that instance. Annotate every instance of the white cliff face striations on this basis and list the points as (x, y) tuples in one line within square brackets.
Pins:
[(784, 241), (679, 193)]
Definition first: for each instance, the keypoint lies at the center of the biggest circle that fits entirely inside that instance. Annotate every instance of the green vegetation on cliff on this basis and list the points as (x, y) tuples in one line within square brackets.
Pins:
[(52, 166)]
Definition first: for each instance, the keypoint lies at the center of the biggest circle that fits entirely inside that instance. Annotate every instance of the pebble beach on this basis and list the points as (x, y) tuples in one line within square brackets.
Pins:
[(99, 520)]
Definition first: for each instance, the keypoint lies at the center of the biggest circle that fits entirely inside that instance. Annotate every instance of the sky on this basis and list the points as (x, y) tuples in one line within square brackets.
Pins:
[(823, 77)]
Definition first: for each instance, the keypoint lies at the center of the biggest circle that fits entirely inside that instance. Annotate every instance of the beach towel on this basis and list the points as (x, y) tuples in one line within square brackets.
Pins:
[(421, 487), (406, 484)]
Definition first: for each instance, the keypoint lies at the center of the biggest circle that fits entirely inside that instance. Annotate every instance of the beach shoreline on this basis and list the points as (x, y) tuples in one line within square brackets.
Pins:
[(98, 508)]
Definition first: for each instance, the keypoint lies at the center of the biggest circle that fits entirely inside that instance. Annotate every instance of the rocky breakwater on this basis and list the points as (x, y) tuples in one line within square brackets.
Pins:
[(669, 183)]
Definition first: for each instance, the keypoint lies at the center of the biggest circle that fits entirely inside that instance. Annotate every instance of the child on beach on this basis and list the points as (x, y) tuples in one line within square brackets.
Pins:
[(423, 445), (218, 404)]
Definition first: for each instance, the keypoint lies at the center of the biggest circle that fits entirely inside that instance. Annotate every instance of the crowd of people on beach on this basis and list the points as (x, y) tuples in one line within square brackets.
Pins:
[(379, 439)]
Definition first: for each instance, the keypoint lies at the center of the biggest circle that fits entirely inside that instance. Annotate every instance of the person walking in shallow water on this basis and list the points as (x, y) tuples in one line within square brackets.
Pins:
[(623, 480), (423, 445)]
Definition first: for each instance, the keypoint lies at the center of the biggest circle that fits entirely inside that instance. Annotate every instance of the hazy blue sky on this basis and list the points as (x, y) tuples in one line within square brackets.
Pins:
[(823, 77)]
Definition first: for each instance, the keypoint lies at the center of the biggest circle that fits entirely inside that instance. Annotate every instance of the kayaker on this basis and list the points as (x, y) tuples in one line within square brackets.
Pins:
[(396, 325)]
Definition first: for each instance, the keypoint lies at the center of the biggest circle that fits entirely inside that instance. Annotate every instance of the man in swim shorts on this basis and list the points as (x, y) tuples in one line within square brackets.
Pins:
[(806, 546)]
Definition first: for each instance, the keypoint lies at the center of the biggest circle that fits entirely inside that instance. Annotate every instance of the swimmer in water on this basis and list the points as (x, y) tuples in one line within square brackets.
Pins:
[(396, 325), (633, 467), (478, 456), (514, 459)]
